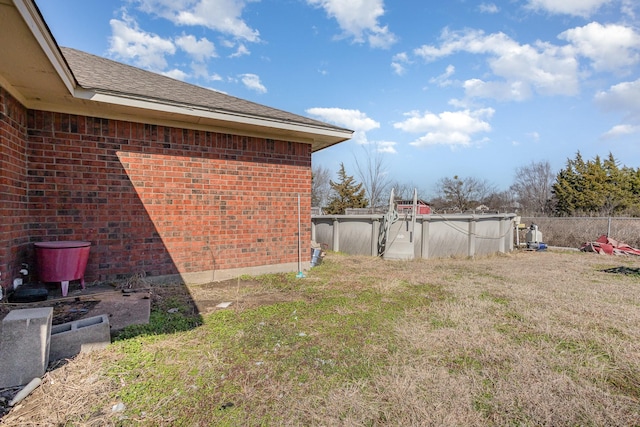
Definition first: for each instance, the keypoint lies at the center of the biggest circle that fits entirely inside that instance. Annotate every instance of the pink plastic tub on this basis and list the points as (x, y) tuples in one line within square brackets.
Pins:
[(62, 262)]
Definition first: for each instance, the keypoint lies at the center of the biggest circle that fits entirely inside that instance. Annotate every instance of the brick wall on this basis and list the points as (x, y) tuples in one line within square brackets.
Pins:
[(159, 200), (13, 187), (156, 200)]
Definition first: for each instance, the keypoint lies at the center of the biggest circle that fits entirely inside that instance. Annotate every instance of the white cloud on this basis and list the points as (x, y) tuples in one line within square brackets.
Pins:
[(398, 63), (628, 8), (200, 70), (443, 79), (398, 68), (240, 51), (200, 50), (454, 128), (541, 67), (228, 43), (359, 19), (623, 96), (461, 104), (503, 91), (252, 81), (224, 16), (620, 130), (488, 8), (582, 8), (176, 74), (521, 70), (381, 38), (610, 47), (350, 119), (386, 147), (144, 49)]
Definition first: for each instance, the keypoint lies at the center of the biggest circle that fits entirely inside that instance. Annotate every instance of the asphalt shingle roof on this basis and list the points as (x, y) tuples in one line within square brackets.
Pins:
[(104, 75)]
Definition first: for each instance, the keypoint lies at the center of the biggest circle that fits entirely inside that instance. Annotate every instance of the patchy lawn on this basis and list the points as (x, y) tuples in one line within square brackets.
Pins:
[(530, 338)]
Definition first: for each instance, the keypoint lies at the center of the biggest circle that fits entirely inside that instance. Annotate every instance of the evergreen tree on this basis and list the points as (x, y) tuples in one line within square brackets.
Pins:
[(564, 191), (345, 194), (597, 187)]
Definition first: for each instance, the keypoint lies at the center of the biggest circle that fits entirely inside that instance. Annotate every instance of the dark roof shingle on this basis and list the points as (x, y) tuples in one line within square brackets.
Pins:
[(104, 75)]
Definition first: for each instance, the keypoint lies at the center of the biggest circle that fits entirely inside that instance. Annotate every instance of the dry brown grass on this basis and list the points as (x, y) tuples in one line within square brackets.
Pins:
[(530, 338), (74, 390), (535, 338)]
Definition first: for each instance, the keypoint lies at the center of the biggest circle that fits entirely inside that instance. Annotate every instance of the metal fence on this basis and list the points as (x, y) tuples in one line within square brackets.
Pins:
[(572, 232)]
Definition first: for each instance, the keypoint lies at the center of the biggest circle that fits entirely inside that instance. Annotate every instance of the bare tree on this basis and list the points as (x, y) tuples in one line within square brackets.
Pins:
[(320, 186), (371, 169), (402, 190), (532, 187), (501, 201), (463, 194)]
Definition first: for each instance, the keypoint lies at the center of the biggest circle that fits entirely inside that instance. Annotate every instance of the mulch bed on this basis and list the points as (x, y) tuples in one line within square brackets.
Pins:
[(69, 311), (63, 311)]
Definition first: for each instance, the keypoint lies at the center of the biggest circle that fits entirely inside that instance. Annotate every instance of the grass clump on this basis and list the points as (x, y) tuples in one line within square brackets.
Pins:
[(166, 317)]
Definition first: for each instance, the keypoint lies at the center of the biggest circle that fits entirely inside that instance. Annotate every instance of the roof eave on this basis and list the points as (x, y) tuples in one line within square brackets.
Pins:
[(319, 137), (36, 23)]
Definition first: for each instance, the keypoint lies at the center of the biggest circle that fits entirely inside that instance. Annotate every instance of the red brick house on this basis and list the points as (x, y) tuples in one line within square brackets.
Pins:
[(162, 177)]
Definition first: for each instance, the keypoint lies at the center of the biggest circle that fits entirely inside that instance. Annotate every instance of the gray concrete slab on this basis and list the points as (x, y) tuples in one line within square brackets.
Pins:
[(123, 309)]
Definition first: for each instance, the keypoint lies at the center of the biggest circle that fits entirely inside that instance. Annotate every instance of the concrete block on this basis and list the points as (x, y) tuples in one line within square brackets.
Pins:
[(79, 336), (24, 345)]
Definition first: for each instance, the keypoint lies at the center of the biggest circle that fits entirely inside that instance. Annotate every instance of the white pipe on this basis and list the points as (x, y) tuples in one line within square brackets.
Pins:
[(299, 247), (26, 391)]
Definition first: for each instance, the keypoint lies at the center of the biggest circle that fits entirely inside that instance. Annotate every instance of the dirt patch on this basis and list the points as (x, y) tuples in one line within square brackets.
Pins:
[(243, 294), (205, 298)]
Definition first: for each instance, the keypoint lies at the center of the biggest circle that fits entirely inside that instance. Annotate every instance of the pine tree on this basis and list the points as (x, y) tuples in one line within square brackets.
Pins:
[(597, 187), (566, 188), (345, 194)]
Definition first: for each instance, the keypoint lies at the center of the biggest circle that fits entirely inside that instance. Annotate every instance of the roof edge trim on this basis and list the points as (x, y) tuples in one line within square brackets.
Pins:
[(196, 112)]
